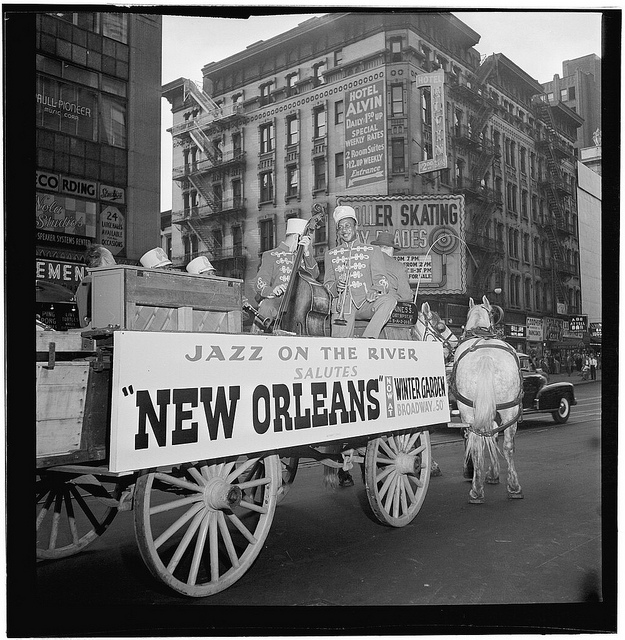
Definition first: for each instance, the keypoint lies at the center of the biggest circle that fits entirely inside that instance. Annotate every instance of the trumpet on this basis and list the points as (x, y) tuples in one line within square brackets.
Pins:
[(340, 319)]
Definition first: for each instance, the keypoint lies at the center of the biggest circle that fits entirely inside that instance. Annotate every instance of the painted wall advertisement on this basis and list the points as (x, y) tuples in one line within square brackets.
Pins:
[(436, 83), (180, 397), (429, 231), (365, 134), (64, 214)]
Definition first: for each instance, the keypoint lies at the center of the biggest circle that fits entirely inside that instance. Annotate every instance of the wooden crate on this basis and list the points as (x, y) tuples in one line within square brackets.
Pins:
[(73, 400), (140, 299)]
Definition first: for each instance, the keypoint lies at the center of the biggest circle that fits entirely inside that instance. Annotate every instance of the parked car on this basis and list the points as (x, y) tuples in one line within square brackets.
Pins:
[(539, 394)]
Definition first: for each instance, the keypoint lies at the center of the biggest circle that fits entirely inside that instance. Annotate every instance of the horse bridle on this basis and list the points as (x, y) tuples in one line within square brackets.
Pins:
[(482, 343), (436, 332)]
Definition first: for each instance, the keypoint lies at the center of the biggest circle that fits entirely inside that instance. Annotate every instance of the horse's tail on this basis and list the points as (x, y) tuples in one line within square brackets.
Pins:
[(485, 402)]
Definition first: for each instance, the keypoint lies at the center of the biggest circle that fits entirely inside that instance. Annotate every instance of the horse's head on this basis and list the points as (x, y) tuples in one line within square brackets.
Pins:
[(430, 327), (483, 316)]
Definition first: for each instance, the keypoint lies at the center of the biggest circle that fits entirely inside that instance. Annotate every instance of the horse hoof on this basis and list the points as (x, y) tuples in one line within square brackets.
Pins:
[(476, 500), (467, 475), (492, 480), (515, 496)]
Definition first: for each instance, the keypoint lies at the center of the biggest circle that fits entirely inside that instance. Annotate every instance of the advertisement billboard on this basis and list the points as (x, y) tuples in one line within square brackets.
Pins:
[(181, 397), (429, 231)]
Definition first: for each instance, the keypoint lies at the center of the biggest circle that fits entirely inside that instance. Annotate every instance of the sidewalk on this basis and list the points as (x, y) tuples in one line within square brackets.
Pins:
[(575, 377)]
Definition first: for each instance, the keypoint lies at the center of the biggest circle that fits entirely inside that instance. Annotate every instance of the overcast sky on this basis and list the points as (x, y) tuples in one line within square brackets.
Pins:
[(537, 41)]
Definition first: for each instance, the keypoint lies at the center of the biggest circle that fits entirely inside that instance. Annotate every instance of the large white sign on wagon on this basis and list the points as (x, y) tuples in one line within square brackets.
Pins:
[(182, 397)]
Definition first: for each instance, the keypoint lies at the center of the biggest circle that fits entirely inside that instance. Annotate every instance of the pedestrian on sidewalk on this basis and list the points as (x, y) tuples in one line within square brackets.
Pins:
[(569, 364), (593, 367)]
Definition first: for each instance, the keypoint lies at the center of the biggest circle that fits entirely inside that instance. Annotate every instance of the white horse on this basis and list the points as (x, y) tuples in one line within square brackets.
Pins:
[(487, 382), (430, 328)]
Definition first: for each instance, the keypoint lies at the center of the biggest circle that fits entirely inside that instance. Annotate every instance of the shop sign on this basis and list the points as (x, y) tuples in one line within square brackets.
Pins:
[(75, 187), (112, 194), (437, 97), (64, 273), (534, 329), (179, 397), (65, 215), (515, 331), (47, 181), (51, 237), (365, 134), (573, 335), (595, 332), (578, 323), (112, 229), (561, 308), (429, 230), (554, 328)]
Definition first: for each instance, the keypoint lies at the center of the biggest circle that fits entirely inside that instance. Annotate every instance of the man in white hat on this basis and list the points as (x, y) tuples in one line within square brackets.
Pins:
[(155, 259), (357, 280), (399, 285), (201, 266), (276, 267)]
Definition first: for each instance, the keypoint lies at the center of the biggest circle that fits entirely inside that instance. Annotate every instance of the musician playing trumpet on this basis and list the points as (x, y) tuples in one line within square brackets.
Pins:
[(357, 280)]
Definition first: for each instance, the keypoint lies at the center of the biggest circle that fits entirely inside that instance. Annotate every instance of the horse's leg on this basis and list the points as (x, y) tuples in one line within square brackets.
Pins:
[(514, 488), (475, 453), (492, 476), (467, 468)]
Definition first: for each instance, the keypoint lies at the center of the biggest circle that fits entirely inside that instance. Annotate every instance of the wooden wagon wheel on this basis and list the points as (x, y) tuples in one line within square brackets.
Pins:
[(289, 470), (397, 475), (72, 511), (200, 527)]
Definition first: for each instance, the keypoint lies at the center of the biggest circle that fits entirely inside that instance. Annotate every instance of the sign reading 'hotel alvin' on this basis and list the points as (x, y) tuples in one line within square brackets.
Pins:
[(365, 134), (179, 397), (436, 82), (429, 230)]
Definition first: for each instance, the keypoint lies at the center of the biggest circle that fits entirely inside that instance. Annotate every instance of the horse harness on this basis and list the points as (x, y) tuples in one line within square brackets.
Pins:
[(483, 337), (438, 335)]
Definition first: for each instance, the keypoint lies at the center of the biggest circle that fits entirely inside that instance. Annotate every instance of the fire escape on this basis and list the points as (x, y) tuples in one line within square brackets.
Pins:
[(205, 176), (555, 188), (481, 201)]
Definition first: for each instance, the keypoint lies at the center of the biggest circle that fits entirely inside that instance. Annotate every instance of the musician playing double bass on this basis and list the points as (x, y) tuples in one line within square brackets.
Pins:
[(276, 267), (356, 278)]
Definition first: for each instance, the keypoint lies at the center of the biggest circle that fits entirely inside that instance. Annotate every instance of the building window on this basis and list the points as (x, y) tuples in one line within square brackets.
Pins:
[(536, 252), (320, 174), (266, 234), (532, 165), (497, 142), (528, 293), (291, 80), (524, 198), (292, 181), (319, 123), (523, 160), (237, 241), (115, 26), (236, 194), (237, 148), (397, 100), (459, 173), (398, 164), (458, 122), (318, 70), (515, 197), (266, 186), (526, 247), (265, 93), (339, 112), (571, 93), (396, 50), (292, 130), (513, 153), (267, 140), (338, 57), (113, 119), (339, 165), (564, 95)]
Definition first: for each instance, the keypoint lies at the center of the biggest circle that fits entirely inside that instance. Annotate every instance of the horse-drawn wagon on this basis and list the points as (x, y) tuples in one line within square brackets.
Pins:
[(167, 408)]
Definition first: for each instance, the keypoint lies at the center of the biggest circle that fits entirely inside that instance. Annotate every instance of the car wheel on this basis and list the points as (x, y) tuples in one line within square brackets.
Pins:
[(563, 412)]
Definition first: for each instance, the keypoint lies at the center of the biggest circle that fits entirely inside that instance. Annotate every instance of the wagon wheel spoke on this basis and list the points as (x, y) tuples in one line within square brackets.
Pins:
[(62, 529), (200, 544), (396, 485)]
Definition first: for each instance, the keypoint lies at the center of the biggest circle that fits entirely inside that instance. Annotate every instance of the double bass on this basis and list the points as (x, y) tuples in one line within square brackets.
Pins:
[(305, 306)]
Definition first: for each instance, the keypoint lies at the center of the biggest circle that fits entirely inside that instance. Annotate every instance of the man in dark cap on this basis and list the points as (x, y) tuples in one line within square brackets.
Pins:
[(399, 285)]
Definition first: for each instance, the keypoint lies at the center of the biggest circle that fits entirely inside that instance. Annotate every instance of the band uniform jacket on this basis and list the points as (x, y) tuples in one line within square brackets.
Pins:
[(363, 265), (399, 285), (276, 267)]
